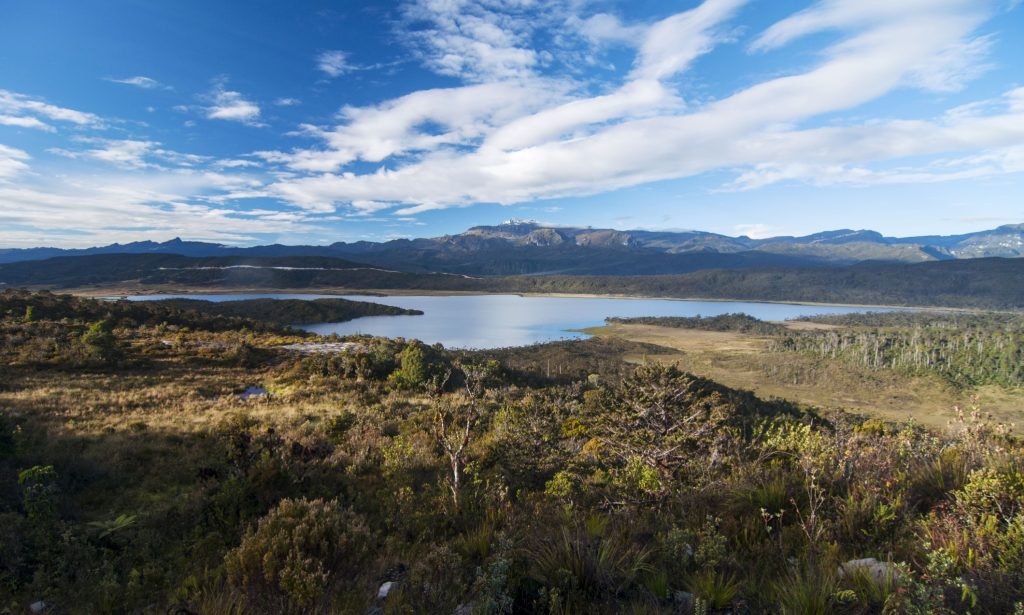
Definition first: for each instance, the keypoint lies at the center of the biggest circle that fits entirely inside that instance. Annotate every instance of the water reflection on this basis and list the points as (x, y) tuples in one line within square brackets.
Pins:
[(493, 321)]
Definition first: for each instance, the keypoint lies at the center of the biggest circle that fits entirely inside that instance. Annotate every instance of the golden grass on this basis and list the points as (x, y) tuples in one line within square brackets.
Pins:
[(742, 361)]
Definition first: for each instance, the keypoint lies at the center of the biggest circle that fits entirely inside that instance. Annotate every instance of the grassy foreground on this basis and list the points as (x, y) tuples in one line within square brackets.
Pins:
[(137, 476)]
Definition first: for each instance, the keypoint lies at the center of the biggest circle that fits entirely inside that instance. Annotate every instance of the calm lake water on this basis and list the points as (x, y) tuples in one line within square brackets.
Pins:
[(495, 321)]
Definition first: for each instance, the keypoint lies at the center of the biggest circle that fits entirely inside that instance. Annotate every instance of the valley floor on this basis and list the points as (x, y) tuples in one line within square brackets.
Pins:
[(741, 360)]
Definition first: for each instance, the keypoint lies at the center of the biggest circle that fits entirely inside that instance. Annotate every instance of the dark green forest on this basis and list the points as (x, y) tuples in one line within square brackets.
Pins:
[(741, 323), (290, 311), (987, 283), (964, 349)]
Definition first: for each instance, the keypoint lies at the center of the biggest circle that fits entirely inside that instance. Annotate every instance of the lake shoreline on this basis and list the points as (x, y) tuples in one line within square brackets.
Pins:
[(494, 320), (381, 293)]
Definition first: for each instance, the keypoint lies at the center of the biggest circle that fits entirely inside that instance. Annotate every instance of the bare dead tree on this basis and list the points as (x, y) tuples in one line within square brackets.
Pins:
[(454, 420)]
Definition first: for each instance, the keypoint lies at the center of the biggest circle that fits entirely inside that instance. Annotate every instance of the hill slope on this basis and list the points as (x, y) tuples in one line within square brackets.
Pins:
[(983, 283), (523, 247)]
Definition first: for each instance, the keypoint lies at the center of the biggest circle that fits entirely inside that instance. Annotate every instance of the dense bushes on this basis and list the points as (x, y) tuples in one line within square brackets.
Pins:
[(297, 551)]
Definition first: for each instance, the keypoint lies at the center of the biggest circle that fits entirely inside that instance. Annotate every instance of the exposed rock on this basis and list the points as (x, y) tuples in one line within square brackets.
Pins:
[(879, 572), (384, 590), (328, 347), (252, 392), (38, 607), (683, 601)]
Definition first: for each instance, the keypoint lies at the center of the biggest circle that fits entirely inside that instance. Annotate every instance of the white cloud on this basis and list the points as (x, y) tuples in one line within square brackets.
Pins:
[(507, 114), (860, 14), (14, 103), (139, 81), (232, 106), (12, 162), (123, 153), (24, 121), (129, 153), (422, 121), (528, 119), (366, 208), (235, 164), (757, 231), (494, 148), (605, 28), (333, 63), (149, 204), (670, 45), (992, 162), (482, 41), (955, 66)]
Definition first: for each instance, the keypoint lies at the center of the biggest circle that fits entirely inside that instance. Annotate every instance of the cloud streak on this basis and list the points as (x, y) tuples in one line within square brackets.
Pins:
[(12, 162), (139, 81), (24, 121), (333, 63), (15, 105)]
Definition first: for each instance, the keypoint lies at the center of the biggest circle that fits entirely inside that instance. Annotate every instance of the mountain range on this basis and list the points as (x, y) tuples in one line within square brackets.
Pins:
[(520, 247)]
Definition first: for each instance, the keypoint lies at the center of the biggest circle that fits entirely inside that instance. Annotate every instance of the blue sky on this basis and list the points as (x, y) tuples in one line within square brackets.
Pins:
[(315, 122)]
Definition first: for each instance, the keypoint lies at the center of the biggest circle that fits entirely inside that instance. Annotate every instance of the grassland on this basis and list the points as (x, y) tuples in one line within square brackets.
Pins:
[(744, 361)]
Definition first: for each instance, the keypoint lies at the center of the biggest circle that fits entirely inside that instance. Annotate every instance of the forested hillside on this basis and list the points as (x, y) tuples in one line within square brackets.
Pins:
[(520, 247), (993, 283)]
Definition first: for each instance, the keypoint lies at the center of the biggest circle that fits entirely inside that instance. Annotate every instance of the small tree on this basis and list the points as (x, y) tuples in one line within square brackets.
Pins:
[(100, 341), (412, 370), (39, 496), (455, 416), (661, 418)]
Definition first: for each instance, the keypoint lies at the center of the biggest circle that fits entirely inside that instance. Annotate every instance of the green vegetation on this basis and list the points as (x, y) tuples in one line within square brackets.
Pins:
[(43, 306), (253, 314), (990, 283), (741, 323), (987, 283), (290, 311), (964, 349), (472, 482)]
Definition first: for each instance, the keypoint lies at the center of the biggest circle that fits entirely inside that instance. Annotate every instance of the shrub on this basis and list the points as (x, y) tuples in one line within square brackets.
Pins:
[(805, 593), (100, 342), (993, 491), (577, 564), (413, 370), (339, 424), (297, 550), (436, 583), (714, 588)]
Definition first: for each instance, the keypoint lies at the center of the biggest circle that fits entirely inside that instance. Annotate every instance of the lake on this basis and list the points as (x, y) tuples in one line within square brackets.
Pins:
[(495, 321)]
